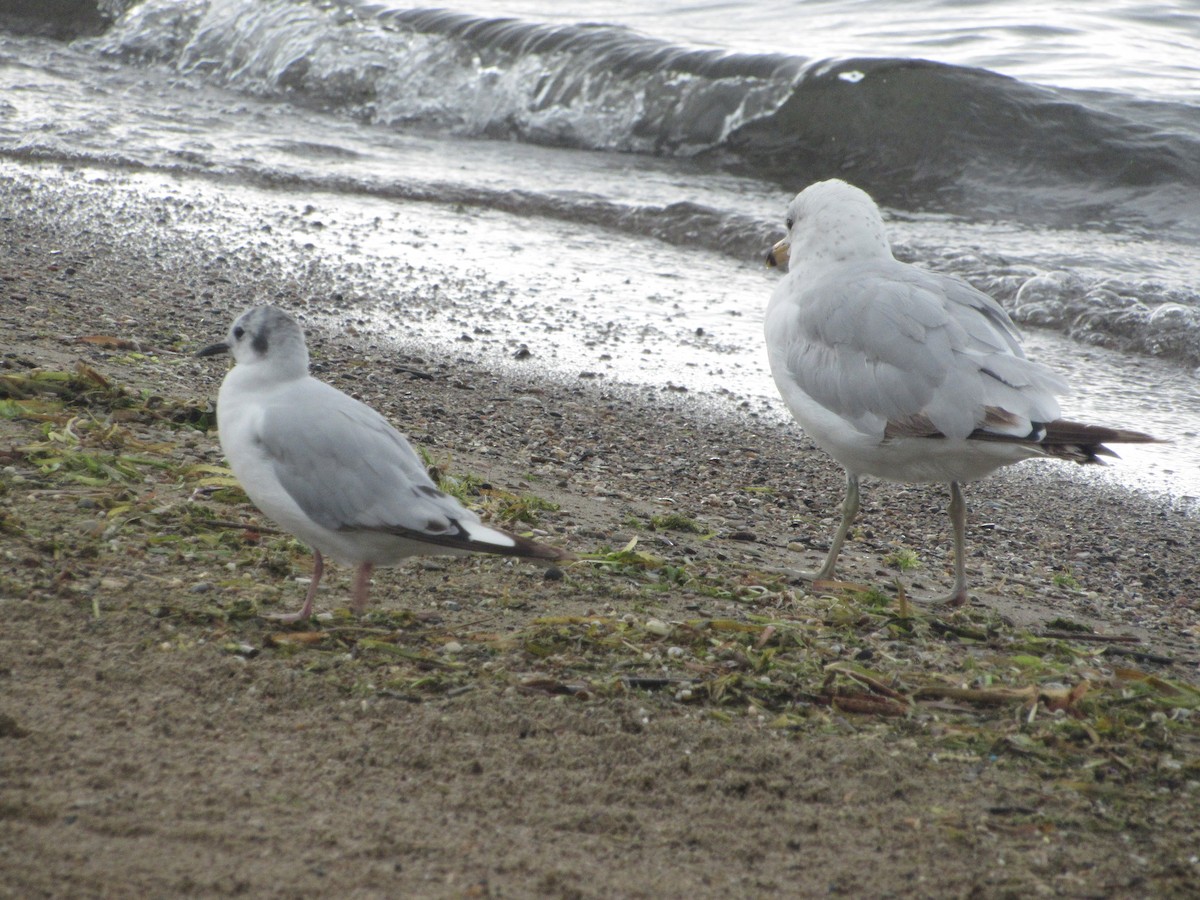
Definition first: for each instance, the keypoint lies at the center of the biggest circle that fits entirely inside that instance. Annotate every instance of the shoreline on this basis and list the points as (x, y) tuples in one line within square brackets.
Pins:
[(399, 270), (660, 719), (132, 295)]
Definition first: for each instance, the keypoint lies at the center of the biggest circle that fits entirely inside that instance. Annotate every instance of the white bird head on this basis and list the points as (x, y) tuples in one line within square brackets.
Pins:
[(831, 221), (266, 336)]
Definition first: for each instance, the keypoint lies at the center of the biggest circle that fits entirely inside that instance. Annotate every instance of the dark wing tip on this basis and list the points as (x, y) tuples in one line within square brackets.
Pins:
[(459, 539), (534, 550), (522, 546), (1085, 444)]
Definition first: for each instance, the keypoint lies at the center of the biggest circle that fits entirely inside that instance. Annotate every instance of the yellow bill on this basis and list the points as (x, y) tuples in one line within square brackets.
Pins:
[(778, 255)]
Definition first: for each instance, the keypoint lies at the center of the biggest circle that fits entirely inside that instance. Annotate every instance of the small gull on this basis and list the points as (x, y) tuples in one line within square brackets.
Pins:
[(905, 374), (330, 469)]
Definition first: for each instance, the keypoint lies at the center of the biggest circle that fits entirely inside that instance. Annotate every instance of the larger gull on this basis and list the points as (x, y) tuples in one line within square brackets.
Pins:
[(330, 469), (905, 374)]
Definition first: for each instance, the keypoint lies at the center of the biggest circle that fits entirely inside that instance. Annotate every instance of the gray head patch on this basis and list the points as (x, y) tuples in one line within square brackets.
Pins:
[(259, 343)]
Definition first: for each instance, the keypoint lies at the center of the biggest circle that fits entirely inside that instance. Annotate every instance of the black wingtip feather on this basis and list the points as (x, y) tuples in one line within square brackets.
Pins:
[(1085, 444), (533, 550), (460, 540)]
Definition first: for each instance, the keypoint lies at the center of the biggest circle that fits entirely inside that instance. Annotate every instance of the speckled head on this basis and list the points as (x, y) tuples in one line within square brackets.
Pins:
[(831, 221), (265, 335)]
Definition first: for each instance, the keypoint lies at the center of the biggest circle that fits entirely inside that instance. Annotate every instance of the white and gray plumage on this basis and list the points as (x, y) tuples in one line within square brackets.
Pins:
[(901, 373), (330, 469)]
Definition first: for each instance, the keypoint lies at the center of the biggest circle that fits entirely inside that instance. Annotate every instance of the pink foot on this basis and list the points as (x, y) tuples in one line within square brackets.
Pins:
[(306, 610)]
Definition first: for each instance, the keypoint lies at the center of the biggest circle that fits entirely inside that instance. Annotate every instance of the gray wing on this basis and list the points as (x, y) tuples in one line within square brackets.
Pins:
[(895, 350), (347, 468)]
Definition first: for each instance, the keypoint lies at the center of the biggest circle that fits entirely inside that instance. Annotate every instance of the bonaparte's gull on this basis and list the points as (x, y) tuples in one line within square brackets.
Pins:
[(901, 373), (330, 469)]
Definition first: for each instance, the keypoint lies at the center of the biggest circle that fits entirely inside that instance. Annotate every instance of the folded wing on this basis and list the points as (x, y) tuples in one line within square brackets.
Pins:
[(897, 351), (348, 469)]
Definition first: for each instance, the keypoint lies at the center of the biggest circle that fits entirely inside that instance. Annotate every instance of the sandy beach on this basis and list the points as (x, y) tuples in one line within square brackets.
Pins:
[(673, 715)]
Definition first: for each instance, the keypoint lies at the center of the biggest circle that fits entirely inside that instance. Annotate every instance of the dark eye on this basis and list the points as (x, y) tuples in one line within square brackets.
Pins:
[(789, 223), (238, 331)]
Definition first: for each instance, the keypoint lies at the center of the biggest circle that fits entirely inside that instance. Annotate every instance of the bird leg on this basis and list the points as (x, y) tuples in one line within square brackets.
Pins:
[(362, 586), (849, 511), (958, 522), (306, 610)]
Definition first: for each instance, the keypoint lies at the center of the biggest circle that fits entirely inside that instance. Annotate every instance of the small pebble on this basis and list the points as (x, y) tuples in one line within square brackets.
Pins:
[(452, 647), (10, 727), (554, 573), (658, 626), (201, 587)]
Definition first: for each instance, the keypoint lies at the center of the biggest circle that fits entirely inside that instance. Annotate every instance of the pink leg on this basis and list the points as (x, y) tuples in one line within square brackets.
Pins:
[(362, 586), (306, 610)]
